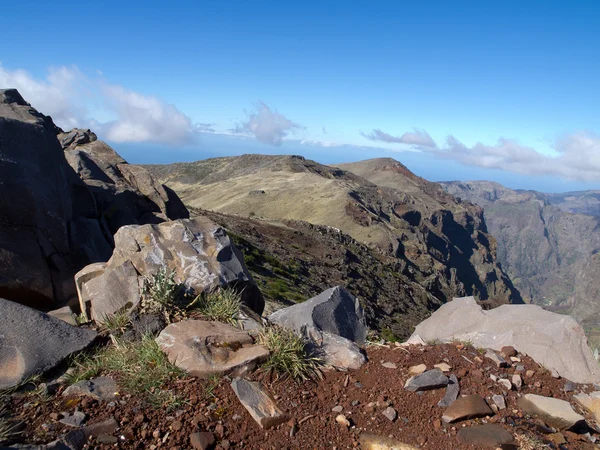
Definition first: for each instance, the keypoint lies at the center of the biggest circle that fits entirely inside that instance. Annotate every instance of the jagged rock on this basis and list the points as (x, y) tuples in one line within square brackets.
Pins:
[(498, 360), (468, 407), (555, 412), (488, 435), (114, 290), (197, 250), (369, 441), (204, 348), (335, 311), (124, 194), (499, 401), (261, 406), (32, 342), (517, 381), (342, 420), (452, 391), (390, 413), (505, 383), (101, 388), (591, 402), (65, 314), (432, 379), (334, 350), (553, 340)]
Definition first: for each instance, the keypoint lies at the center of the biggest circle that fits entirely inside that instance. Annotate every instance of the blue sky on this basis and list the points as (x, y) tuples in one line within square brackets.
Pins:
[(505, 91)]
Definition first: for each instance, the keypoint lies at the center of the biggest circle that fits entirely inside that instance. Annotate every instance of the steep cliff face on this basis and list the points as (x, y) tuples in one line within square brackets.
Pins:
[(61, 203), (438, 242), (550, 254)]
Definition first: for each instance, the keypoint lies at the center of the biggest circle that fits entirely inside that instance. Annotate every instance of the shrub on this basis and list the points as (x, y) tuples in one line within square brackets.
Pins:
[(161, 287), (117, 322), (289, 356), (222, 305)]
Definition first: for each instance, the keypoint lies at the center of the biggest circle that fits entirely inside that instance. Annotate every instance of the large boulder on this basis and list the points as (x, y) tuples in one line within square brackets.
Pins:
[(334, 311), (204, 348), (199, 252), (32, 342), (333, 350), (556, 341), (555, 412)]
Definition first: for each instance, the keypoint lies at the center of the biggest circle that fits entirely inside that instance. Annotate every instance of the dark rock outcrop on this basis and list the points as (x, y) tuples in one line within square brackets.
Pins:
[(55, 222)]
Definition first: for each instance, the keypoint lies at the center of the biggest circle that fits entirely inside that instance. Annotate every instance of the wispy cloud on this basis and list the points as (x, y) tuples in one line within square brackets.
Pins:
[(417, 137), (73, 99), (266, 125)]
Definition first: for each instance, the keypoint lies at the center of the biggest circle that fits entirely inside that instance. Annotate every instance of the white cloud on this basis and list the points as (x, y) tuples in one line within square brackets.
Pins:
[(418, 137), (72, 99), (267, 125)]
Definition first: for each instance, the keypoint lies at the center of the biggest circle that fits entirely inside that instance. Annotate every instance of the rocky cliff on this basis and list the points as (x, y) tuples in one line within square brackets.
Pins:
[(62, 197), (436, 241), (550, 254)]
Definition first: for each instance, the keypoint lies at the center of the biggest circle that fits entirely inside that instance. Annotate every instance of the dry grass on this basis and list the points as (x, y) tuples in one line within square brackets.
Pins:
[(222, 305), (529, 443)]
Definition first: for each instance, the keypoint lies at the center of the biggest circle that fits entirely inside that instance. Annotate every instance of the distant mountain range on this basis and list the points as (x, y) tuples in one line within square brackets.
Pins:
[(550, 253), (434, 246)]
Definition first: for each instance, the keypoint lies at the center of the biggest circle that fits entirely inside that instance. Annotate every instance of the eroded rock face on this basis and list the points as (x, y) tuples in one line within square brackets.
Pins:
[(32, 342), (124, 194), (198, 251), (556, 341), (335, 311), (204, 348)]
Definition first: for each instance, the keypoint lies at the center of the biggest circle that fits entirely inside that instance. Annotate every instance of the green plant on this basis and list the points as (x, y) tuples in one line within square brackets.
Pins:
[(81, 318), (117, 322), (161, 287), (140, 367), (289, 356), (222, 305)]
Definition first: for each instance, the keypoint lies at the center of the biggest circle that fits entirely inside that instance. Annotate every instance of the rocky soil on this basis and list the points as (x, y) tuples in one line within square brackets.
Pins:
[(372, 400)]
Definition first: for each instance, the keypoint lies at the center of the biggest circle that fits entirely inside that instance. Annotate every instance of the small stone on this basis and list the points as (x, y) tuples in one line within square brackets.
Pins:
[(73, 420), (389, 365), (369, 441), (452, 391), (55, 416), (416, 370), (355, 403), (176, 425), (342, 420), (493, 377), (432, 379), (498, 360), (258, 403), (504, 382), (469, 407), (570, 386), (515, 359), (390, 413), (337, 409), (156, 434), (557, 438), (529, 374), (517, 381), (499, 401), (202, 441), (225, 444), (520, 368), (444, 367), (462, 372), (508, 351)]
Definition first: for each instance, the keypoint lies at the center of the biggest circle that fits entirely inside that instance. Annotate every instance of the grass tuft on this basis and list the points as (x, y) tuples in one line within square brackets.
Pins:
[(529, 443), (289, 356), (117, 322), (222, 305), (140, 367)]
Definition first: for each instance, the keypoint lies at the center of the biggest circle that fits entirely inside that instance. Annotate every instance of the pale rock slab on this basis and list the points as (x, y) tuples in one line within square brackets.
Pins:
[(259, 403), (555, 412)]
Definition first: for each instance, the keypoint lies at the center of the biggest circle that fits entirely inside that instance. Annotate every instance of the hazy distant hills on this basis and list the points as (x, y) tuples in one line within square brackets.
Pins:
[(438, 242), (550, 254)]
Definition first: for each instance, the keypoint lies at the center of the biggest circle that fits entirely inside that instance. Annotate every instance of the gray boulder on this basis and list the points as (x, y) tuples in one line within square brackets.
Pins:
[(198, 251), (32, 342), (334, 351), (334, 311), (432, 379), (554, 340)]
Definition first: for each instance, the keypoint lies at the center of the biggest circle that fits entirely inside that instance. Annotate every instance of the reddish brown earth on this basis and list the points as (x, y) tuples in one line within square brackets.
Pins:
[(310, 406)]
